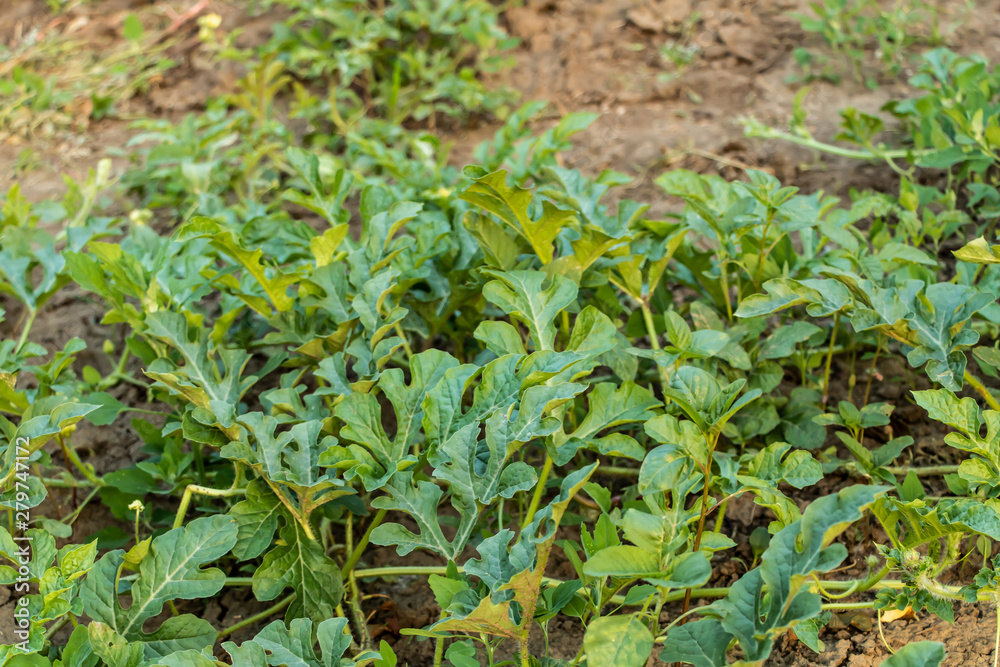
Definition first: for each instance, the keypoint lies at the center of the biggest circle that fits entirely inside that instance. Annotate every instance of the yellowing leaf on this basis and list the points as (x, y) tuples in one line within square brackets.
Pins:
[(891, 615)]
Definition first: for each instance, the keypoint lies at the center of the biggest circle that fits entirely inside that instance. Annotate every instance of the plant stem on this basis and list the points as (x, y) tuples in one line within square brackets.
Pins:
[(982, 391), (724, 280), (881, 633), (199, 461), (873, 581), (712, 441), (647, 318), (871, 370), (72, 517), (705, 493), (72, 456), (757, 130), (536, 497), (57, 626), (827, 594), (362, 543), (654, 340), (841, 606), (829, 358), (32, 314), (406, 346), (54, 483), (418, 570), (270, 611), (239, 581), (873, 578), (117, 374), (359, 615), (439, 651), (919, 471), (402, 570), (763, 253), (201, 491), (720, 517)]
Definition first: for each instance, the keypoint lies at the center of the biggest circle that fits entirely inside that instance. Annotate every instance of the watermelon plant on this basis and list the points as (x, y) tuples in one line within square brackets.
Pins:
[(462, 380)]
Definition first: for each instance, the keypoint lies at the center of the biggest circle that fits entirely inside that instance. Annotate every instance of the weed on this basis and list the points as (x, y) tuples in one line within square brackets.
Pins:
[(853, 29)]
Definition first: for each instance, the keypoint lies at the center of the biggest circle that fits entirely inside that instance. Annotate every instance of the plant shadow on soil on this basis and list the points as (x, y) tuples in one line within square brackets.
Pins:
[(581, 56)]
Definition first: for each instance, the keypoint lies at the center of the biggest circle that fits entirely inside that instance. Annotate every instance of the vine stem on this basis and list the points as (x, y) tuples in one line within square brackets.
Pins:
[(724, 279), (873, 581), (439, 651), (239, 581), (270, 611), (118, 373), (982, 391), (71, 518), (919, 471), (74, 458), (404, 570), (705, 495), (654, 340), (407, 350), (875, 578), (881, 633), (763, 253), (536, 497), (843, 606), (58, 625), (721, 516), (829, 357), (359, 615), (53, 483), (764, 132), (192, 489), (28, 323), (362, 543), (704, 512), (872, 369)]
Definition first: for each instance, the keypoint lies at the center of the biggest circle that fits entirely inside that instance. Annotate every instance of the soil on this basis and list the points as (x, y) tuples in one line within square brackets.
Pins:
[(580, 55)]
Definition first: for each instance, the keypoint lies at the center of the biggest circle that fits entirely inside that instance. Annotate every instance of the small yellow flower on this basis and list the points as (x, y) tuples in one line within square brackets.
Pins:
[(140, 216), (210, 21), (137, 506)]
